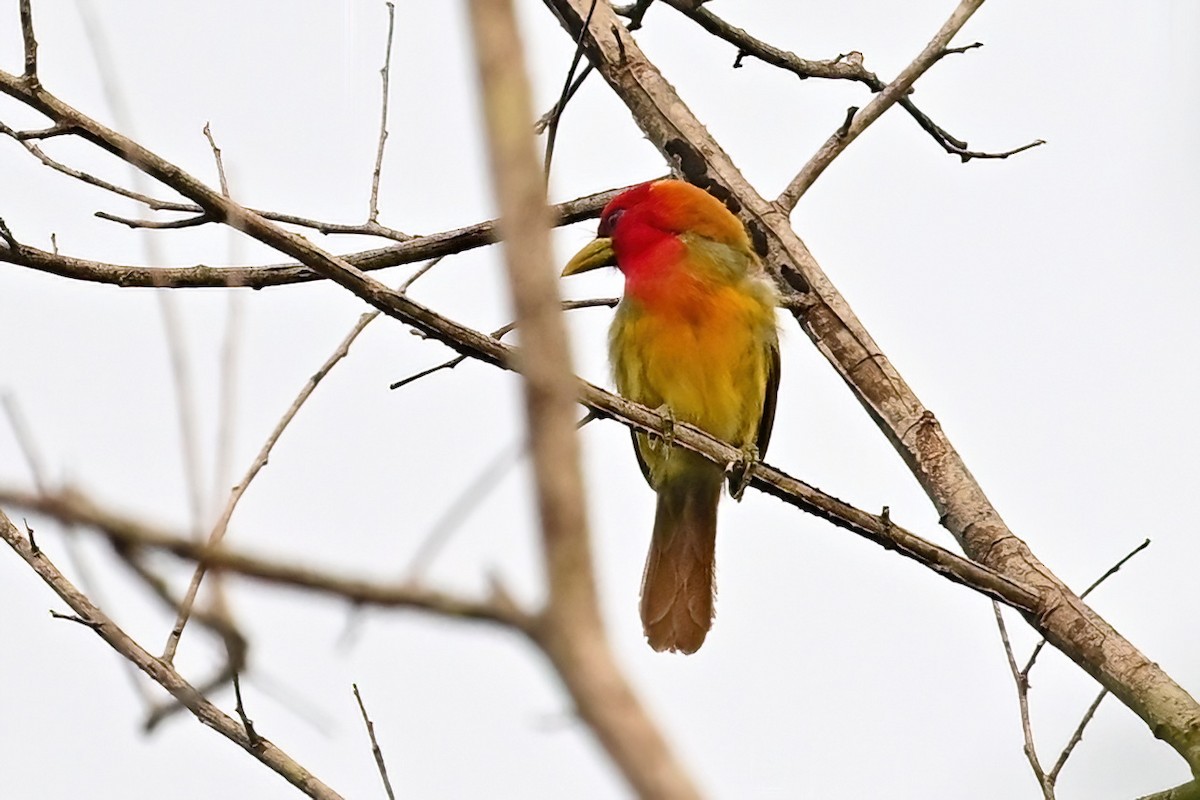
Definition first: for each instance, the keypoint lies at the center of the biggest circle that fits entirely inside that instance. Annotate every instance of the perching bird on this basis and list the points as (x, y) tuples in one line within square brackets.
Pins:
[(694, 336)]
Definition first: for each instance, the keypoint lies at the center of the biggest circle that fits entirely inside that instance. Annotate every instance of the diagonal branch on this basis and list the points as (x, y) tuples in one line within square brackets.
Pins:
[(825, 316)]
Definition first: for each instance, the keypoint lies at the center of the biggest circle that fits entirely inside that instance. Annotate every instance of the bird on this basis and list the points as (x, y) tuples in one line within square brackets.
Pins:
[(694, 336)]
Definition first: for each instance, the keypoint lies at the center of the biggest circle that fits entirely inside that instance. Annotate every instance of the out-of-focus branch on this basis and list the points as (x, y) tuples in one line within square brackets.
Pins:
[(570, 629), (235, 495), (825, 316), (127, 532), (162, 673), (415, 249), (848, 66)]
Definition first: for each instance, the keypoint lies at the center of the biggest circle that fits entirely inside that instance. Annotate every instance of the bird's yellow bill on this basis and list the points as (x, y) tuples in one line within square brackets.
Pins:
[(595, 254)]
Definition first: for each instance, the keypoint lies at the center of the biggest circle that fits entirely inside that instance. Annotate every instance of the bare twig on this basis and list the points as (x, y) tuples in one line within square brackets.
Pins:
[(428, 265), (1115, 568), (567, 91), (385, 74), (30, 42), (161, 672), (1076, 737), (87, 623), (247, 723), (222, 526), (890, 95), (848, 67), (7, 235), (539, 127), (216, 151), (502, 331), (1046, 785), (375, 749)]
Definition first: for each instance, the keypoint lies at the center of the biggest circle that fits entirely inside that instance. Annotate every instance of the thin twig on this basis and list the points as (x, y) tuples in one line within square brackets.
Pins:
[(1076, 737), (375, 749), (1046, 785), (247, 723), (499, 333), (428, 265), (87, 623), (539, 127), (1115, 568), (890, 95), (385, 73), (847, 66), (30, 42), (218, 531), (561, 106), (216, 151)]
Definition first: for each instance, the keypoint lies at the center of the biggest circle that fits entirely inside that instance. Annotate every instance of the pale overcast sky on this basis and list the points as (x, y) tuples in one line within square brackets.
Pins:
[(1043, 307)]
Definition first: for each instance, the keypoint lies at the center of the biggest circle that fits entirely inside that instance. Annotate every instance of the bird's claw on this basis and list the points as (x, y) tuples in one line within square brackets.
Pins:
[(668, 434), (739, 471)]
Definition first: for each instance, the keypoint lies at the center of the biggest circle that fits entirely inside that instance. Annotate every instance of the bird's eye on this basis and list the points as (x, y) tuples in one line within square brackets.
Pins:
[(609, 222)]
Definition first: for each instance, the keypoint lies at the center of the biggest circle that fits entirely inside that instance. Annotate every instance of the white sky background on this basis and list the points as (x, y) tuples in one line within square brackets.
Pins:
[(1043, 307)]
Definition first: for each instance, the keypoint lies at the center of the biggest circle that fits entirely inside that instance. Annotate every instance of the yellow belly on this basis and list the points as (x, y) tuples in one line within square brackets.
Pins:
[(707, 362)]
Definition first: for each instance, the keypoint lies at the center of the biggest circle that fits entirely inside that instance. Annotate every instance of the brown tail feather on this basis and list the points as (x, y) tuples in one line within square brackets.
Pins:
[(678, 586)]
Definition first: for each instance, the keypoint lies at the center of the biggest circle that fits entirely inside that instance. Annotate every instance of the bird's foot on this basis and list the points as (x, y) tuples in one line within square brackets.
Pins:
[(739, 471), (669, 421)]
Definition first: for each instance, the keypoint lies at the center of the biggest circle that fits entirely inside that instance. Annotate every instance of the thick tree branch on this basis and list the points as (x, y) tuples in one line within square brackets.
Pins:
[(1068, 623)]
